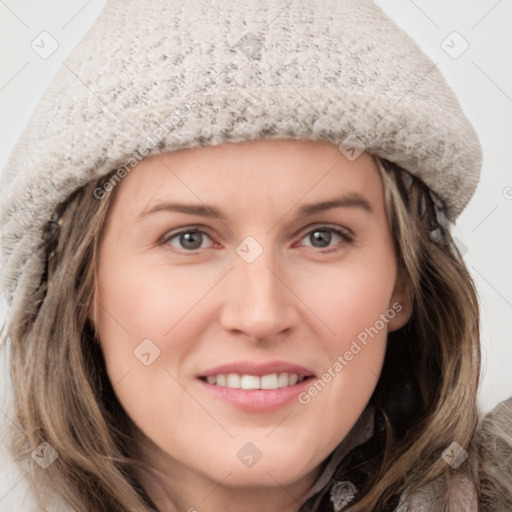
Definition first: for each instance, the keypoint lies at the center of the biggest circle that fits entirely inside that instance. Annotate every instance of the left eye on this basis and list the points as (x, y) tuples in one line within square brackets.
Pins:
[(323, 236)]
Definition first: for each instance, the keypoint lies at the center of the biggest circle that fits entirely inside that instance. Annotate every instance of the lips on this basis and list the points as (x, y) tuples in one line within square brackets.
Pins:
[(257, 387)]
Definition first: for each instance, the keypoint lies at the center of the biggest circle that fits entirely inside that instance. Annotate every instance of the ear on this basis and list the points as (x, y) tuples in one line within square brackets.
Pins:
[(401, 304)]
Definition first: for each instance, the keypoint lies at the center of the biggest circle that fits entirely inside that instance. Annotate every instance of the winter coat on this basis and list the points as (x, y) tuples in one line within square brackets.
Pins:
[(492, 463)]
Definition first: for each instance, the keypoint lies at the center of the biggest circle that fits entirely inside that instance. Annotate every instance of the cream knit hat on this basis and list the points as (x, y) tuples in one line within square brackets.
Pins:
[(158, 75)]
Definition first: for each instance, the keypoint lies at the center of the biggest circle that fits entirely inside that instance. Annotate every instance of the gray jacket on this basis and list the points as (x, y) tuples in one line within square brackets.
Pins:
[(493, 463)]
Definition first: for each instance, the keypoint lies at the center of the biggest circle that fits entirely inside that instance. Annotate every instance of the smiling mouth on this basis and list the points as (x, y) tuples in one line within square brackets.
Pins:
[(264, 382)]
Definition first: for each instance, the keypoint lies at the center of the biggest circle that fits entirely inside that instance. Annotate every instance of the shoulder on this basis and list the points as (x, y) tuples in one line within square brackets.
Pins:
[(490, 489), (494, 440), (485, 485), (458, 493)]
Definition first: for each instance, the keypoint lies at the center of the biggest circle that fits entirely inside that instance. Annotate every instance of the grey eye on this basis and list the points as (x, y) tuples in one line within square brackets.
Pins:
[(320, 237), (323, 237), (189, 240)]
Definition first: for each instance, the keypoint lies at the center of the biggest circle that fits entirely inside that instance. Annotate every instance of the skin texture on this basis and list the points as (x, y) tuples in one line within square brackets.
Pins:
[(297, 302)]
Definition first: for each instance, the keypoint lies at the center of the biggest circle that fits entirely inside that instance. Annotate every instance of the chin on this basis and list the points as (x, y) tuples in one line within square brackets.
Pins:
[(277, 466)]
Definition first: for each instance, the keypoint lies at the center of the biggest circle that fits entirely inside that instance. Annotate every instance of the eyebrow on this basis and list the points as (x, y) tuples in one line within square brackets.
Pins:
[(353, 200)]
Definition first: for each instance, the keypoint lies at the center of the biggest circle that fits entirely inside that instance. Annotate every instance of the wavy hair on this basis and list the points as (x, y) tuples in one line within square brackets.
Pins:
[(425, 398)]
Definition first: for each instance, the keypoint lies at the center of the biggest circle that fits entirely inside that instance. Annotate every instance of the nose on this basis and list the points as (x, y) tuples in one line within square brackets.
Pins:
[(259, 303)]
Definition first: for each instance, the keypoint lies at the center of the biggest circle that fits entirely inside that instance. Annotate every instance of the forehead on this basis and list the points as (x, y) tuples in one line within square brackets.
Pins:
[(260, 174)]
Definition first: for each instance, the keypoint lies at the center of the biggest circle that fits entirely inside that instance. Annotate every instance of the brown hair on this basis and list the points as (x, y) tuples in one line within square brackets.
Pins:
[(425, 398)]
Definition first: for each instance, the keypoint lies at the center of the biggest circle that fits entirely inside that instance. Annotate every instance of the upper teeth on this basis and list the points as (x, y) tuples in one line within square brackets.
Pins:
[(271, 381)]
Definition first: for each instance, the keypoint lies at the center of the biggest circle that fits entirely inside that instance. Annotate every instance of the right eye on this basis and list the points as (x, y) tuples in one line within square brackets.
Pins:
[(187, 240)]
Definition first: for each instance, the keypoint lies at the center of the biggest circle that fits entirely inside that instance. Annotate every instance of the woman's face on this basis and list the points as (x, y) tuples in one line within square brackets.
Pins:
[(265, 265)]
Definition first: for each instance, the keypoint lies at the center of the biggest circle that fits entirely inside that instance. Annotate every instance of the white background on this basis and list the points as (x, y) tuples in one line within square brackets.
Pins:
[(481, 78)]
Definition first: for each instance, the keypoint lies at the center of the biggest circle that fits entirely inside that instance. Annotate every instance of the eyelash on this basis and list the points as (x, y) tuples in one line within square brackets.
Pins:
[(346, 236)]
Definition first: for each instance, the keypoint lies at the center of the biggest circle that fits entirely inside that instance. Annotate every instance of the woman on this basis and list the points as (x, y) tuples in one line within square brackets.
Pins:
[(246, 295)]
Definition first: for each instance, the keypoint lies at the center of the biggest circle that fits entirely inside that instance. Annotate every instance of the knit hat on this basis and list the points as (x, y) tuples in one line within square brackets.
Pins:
[(153, 76)]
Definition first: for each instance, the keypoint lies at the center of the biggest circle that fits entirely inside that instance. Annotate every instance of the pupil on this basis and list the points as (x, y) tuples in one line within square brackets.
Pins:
[(321, 236), (188, 240)]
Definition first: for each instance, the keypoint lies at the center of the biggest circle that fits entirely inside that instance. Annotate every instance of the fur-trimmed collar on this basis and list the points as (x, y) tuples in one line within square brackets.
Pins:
[(491, 460)]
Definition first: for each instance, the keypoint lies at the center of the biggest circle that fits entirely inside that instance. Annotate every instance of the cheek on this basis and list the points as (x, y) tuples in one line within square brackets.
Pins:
[(354, 302), (149, 321), (351, 297), (138, 303), (146, 331)]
